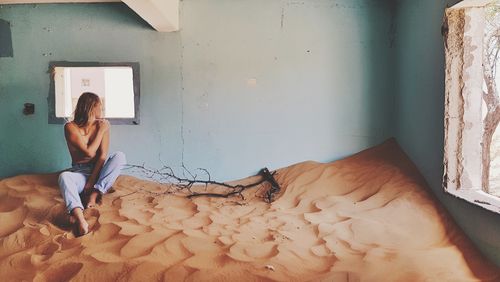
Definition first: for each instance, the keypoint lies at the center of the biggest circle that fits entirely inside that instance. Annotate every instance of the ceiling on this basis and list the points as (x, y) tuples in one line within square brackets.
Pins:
[(162, 15)]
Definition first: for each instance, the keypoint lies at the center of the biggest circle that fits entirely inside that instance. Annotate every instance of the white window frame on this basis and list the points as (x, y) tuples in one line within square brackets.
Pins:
[(464, 30)]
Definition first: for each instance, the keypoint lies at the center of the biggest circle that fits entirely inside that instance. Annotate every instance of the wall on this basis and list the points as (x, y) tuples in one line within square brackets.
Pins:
[(419, 112), (242, 85), (321, 81), (91, 32)]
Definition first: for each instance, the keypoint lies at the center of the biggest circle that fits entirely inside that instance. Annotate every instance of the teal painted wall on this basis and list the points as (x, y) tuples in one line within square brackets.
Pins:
[(322, 81), (323, 91), (419, 112), (111, 32)]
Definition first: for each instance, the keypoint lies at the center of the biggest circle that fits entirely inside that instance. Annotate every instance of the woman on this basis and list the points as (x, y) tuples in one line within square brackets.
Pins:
[(92, 172)]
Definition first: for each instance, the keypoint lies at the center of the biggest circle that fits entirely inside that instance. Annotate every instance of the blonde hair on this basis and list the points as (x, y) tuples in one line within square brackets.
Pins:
[(86, 104)]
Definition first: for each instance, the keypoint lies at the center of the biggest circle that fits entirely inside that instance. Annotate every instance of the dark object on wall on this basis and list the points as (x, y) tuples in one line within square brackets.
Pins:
[(29, 109), (5, 39)]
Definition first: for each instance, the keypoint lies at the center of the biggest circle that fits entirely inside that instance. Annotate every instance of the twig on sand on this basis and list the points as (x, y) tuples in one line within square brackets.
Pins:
[(166, 175)]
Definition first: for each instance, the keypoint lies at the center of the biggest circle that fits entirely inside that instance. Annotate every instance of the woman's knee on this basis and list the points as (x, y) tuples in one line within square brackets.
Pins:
[(120, 158), (64, 178)]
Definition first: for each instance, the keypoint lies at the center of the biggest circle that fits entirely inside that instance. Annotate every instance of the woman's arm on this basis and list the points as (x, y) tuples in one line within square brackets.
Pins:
[(103, 153), (76, 140)]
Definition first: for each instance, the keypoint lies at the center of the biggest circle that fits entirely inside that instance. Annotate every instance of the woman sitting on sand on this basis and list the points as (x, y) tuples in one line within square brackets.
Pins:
[(92, 172)]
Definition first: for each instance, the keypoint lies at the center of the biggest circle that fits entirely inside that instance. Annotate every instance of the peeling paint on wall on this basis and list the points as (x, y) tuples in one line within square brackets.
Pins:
[(463, 99), (454, 103)]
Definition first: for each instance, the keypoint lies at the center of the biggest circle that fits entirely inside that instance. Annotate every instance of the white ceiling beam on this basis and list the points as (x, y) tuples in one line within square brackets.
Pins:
[(53, 1), (162, 15)]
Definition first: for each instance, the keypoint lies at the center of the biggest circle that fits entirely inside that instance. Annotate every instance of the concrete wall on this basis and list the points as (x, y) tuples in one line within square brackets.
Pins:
[(92, 32), (419, 112), (242, 85)]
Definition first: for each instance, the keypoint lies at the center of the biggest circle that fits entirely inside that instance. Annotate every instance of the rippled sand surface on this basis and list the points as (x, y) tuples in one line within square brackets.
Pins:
[(368, 217)]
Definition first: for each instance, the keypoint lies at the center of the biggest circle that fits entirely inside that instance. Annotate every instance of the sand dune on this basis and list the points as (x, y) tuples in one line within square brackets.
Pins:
[(365, 218)]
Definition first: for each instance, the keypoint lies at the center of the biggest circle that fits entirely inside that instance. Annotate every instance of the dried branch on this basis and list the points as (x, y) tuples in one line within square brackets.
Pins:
[(166, 175), (275, 187), (490, 96)]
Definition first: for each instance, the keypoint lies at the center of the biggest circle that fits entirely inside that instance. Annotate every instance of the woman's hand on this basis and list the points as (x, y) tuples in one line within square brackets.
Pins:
[(103, 124), (88, 186)]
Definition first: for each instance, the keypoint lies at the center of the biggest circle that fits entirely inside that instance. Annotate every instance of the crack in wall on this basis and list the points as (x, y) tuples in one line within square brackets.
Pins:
[(181, 92), (282, 16)]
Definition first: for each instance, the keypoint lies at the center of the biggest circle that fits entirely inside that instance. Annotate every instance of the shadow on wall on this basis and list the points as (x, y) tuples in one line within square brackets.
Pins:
[(381, 71), (5, 39), (419, 113)]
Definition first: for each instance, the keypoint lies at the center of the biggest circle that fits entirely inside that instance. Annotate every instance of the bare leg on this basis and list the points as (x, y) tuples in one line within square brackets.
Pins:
[(72, 219), (81, 223)]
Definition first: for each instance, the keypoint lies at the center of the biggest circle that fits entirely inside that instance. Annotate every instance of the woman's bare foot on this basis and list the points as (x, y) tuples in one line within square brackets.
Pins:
[(80, 223), (83, 227), (92, 199)]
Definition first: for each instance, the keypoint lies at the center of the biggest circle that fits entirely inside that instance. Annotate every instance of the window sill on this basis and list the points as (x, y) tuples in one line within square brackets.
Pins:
[(480, 198)]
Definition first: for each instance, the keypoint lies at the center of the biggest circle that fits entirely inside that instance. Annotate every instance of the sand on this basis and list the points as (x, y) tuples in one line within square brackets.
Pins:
[(368, 217)]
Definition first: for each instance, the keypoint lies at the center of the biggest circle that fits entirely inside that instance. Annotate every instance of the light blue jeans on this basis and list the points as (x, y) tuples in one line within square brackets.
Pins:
[(72, 181)]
